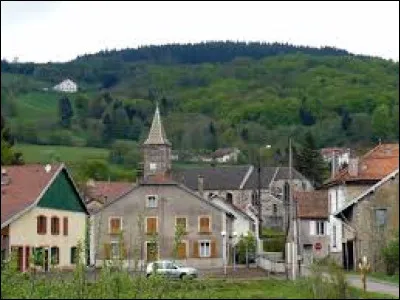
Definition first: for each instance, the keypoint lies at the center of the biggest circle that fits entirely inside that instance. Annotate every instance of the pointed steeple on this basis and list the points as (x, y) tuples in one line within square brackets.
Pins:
[(157, 134)]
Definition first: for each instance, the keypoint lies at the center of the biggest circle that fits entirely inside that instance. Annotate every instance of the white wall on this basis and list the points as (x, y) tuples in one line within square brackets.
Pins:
[(337, 200), (23, 232)]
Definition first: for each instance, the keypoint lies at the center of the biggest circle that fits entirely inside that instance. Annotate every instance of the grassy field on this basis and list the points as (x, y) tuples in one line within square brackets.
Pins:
[(47, 153)]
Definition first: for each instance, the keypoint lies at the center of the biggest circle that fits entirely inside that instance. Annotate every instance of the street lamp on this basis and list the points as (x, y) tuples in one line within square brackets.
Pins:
[(223, 234), (247, 249), (234, 234)]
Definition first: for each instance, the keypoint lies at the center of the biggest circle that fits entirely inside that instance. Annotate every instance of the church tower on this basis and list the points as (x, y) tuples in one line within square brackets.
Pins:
[(156, 149)]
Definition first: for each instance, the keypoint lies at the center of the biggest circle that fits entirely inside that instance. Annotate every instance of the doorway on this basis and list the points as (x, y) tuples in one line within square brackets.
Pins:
[(348, 255)]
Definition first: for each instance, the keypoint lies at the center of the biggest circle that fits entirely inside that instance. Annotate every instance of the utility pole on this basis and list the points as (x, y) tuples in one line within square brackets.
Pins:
[(293, 215), (259, 194)]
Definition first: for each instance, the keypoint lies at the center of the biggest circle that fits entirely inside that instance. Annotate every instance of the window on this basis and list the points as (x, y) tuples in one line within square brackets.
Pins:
[(253, 199), (115, 250), (115, 225), (153, 166), (275, 209), (205, 249), (55, 255), (151, 225), (65, 227), (229, 198), (73, 255), (204, 224), (152, 201), (334, 236), (380, 217), (55, 226), (320, 229), (38, 256), (181, 221), (41, 225)]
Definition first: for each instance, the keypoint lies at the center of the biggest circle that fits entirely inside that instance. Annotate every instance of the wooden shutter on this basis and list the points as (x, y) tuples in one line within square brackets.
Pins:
[(195, 249), (182, 250), (151, 225), (123, 250), (204, 224), (214, 252), (115, 225), (65, 226), (41, 225), (107, 251)]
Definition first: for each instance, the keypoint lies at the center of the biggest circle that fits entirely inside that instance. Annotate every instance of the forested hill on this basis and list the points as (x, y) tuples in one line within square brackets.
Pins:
[(212, 95)]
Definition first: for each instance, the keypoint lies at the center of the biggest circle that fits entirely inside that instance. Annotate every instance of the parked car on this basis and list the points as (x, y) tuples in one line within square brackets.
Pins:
[(170, 269)]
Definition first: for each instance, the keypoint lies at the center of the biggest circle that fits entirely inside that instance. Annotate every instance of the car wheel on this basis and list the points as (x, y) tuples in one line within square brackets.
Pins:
[(183, 276)]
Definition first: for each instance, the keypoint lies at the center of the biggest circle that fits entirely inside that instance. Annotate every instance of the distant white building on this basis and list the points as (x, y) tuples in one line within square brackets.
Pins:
[(66, 86), (226, 155)]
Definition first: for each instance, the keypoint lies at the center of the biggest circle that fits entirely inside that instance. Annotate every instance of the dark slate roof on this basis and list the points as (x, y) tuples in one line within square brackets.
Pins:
[(267, 174), (215, 178)]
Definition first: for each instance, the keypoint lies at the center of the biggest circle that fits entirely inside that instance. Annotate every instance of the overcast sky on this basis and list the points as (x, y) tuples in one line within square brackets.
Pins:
[(42, 31)]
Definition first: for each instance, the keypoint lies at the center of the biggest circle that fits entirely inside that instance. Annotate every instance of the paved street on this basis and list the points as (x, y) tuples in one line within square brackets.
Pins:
[(374, 285)]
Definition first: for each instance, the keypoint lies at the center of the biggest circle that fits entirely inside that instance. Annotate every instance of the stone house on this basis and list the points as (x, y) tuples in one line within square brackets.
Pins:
[(66, 86), (225, 155), (42, 216), (140, 224), (370, 220), (313, 216), (349, 183)]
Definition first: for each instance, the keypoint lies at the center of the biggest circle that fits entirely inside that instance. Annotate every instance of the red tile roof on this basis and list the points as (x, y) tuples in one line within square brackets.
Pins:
[(111, 190), (25, 185), (374, 165), (312, 205)]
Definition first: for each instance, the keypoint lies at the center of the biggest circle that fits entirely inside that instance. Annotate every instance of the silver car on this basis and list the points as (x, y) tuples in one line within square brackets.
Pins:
[(170, 269)]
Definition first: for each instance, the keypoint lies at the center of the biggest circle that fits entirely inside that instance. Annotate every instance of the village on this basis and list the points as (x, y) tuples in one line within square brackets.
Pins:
[(45, 215)]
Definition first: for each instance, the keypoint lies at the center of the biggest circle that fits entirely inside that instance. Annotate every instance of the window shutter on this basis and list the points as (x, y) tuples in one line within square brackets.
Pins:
[(151, 225), (123, 250), (312, 228), (214, 248), (107, 251), (65, 226), (182, 250), (195, 249)]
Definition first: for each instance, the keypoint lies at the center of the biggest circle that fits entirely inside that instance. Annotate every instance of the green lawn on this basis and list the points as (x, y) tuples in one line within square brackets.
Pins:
[(45, 153)]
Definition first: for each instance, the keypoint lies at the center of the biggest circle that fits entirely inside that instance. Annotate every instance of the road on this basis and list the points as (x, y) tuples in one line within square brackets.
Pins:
[(374, 285)]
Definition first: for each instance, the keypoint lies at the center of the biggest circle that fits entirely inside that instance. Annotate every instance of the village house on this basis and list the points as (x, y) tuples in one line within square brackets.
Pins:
[(370, 220), (225, 155), (42, 216), (239, 185), (141, 223), (313, 216), (66, 86), (349, 183)]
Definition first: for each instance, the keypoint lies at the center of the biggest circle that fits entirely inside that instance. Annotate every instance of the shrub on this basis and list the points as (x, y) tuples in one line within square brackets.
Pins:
[(391, 255)]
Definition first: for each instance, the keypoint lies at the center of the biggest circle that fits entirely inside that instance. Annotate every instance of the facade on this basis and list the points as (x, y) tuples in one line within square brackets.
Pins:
[(313, 216), (42, 216), (66, 86), (370, 220), (139, 225), (349, 183)]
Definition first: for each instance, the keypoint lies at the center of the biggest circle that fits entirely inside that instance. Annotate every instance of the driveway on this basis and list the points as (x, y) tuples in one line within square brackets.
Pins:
[(374, 285)]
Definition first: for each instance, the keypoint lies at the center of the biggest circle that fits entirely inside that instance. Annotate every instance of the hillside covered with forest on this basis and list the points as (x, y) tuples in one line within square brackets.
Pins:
[(211, 95)]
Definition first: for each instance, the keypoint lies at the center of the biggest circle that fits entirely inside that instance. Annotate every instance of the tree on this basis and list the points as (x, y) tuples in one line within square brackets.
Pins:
[(309, 161), (381, 122), (65, 112), (346, 120), (82, 109), (107, 128)]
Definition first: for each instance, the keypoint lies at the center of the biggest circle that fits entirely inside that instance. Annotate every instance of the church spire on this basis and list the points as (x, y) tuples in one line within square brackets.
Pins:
[(157, 134)]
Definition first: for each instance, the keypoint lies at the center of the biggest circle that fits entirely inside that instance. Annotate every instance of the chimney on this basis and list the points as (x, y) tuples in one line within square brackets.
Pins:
[(200, 185), (334, 165), (353, 167)]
